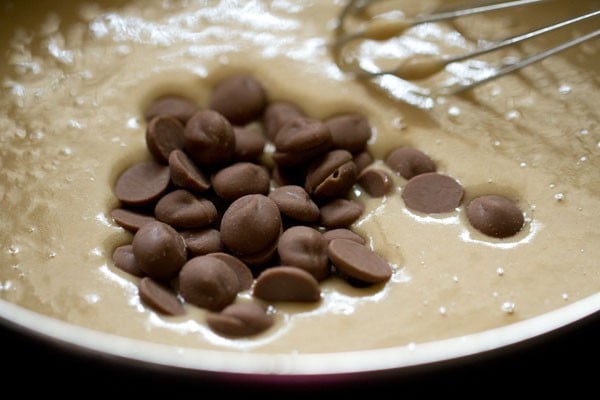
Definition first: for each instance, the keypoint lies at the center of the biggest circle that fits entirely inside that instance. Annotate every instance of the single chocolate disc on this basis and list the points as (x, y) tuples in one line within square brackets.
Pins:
[(159, 297), (240, 319), (285, 283), (432, 193), (495, 216), (172, 105), (349, 131), (358, 261), (143, 183), (409, 162), (240, 98), (159, 250), (251, 225), (376, 182), (304, 247), (208, 282)]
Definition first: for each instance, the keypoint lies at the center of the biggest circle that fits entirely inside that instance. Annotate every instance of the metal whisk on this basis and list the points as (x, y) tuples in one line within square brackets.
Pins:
[(418, 67)]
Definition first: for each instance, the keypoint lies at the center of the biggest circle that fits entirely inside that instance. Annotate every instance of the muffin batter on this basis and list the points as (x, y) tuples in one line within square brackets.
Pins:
[(77, 77)]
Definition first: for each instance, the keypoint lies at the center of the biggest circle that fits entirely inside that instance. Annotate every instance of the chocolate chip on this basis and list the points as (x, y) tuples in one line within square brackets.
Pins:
[(124, 259), (320, 169), (358, 261), (409, 162), (362, 160), (202, 241), (285, 283), (130, 220), (299, 158), (277, 114), (142, 184), (176, 106), (240, 98), (495, 216), (240, 179), (376, 182), (342, 233), (163, 135), (185, 174), (208, 282), (340, 213), (349, 131), (183, 210), (209, 138), (241, 270), (249, 143), (294, 202), (251, 225), (432, 192), (304, 247), (330, 176), (159, 250), (301, 134), (159, 297), (240, 319)]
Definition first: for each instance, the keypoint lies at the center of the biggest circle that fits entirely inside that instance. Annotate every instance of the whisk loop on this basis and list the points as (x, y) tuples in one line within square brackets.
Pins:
[(424, 66)]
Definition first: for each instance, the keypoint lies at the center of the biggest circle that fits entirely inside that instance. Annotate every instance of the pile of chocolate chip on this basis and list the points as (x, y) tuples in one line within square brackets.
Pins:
[(253, 194)]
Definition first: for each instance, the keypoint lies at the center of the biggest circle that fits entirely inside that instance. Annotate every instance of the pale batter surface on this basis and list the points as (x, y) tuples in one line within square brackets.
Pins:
[(76, 77)]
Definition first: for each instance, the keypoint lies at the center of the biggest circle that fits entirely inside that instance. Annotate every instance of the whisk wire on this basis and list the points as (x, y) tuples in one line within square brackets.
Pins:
[(423, 66)]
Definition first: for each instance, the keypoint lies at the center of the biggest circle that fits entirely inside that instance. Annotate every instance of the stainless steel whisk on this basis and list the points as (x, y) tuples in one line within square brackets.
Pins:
[(424, 66)]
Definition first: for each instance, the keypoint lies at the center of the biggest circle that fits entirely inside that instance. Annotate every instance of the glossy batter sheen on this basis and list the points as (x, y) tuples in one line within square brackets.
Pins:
[(76, 77)]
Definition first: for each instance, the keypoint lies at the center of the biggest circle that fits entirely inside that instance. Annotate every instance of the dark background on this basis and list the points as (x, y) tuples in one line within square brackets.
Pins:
[(562, 362)]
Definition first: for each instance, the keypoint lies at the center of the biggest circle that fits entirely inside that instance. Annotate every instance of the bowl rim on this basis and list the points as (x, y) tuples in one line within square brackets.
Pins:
[(273, 366)]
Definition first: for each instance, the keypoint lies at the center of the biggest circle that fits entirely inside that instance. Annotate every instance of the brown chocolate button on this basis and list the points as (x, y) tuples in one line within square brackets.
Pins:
[(299, 159), (240, 319), (409, 162), (172, 105), (340, 213), (202, 241), (358, 261), (163, 135), (159, 250), (338, 184), (241, 270), (495, 216), (142, 184), (208, 282), (343, 233), (376, 182), (240, 98), (301, 134), (285, 283), (277, 114), (249, 143), (432, 193), (209, 138), (124, 259), (185, 174), (304, 247), (331, 175), (183, 210), (130, 220), (160, 298), (251, 225), (349, 131), (362, 160), (240, 179), (294, 202)]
